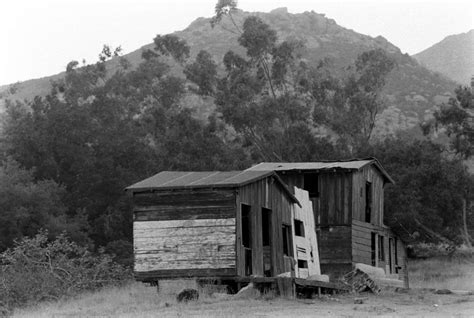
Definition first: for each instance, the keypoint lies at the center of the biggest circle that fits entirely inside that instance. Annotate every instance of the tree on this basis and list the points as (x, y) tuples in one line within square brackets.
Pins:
[(171, 45), (425, 202), (203, 72), (457, 118), (27, 206), (350, 106)]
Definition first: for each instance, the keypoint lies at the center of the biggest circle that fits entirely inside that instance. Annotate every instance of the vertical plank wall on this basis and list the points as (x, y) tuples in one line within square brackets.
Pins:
[(184, 233), (368, 173), (266, 193)]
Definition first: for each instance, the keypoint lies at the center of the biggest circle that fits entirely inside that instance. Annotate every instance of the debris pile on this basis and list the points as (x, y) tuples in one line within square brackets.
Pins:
[(360, 281)]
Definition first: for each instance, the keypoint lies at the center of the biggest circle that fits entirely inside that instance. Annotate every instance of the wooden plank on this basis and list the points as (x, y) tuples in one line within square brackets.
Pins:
[(183, 197), (183, 273), (149, 263), (361, 240), (185, 213), (183, 223), (178, 245), (286, 287), (316, 283), (184, 244), (152, 235)]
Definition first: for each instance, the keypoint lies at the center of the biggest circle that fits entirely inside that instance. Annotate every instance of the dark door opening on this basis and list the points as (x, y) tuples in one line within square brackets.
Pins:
[(247, 239), (390, 251), (287, 241), (396, 256), (368, 202), (267, 242), (373, 238)]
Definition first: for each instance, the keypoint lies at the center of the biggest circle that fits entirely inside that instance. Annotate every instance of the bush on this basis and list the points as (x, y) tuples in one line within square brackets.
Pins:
[(36, 269)]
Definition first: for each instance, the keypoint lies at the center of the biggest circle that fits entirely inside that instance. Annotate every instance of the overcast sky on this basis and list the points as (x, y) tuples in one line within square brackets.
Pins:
[(39, 37)]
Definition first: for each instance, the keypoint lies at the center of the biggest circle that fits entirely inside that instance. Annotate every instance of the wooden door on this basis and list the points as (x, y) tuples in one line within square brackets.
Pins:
[(305, 239)]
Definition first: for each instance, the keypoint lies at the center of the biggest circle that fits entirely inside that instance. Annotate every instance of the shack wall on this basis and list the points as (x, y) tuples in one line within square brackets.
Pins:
[(265, 193), (335, 250), (359, 180), (378, 246), (184, 233), (334, 204)]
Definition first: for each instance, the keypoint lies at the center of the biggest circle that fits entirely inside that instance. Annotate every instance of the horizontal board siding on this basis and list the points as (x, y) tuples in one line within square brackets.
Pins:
[(185, 198), (184, 205), (187, 244), (185, 213), (183, 273)]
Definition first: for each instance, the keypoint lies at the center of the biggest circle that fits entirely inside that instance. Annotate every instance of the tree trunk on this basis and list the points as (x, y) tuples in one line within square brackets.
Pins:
[(433, 233), (467, 239)]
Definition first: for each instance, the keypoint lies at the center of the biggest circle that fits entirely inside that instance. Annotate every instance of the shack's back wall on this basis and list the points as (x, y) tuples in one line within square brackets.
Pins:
[(184, 233)]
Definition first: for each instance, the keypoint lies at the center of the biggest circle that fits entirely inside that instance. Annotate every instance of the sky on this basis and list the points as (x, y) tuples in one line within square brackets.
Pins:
[(39, 37)]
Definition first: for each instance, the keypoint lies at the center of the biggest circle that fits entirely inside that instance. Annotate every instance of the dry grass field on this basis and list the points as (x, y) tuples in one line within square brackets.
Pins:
[(138, 300), (442, 273)]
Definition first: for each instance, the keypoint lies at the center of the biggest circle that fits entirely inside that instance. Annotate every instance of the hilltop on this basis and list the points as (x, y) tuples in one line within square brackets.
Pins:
[(412, 91), (452, 57)]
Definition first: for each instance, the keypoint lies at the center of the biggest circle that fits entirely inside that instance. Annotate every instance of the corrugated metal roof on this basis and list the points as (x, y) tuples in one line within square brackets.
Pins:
[(204, 179), (196, 179), (355, 164), (285, 166)]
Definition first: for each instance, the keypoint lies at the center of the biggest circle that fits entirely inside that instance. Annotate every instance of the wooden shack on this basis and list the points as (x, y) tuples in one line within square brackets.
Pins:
[(219, 224), (348, 206)]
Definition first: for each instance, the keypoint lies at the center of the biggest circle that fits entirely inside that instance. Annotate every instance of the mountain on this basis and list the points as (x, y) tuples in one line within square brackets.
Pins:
[(452, 57), (412, 91)]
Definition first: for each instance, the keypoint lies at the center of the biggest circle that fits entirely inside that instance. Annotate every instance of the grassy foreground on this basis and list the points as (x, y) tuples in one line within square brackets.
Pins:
[(138, 300), (442, 273)]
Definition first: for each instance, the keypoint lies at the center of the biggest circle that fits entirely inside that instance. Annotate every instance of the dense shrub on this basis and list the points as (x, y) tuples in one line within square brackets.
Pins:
[(36, 269)]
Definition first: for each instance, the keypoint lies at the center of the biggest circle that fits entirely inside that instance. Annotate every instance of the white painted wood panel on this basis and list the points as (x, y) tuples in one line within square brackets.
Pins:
[(309, 242)]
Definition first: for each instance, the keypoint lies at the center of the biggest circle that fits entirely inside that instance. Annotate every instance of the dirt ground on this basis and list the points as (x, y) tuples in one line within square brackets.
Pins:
[(136, 300)]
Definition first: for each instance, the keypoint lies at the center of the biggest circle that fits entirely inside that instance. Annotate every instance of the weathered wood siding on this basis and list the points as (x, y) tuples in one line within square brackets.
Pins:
[(360, 178), (362, 249), (265, 193), (334, 204), (361, 242), (335, 197), (184, 233), (335, 244)]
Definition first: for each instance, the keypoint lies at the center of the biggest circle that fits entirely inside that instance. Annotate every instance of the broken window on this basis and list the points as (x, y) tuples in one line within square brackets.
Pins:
[(287, 242), (299, 228), (311, 184), (302, 263)]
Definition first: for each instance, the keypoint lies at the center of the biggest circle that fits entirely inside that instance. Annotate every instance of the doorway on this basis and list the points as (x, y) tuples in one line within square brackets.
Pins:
[(267, 242), (247, 239)]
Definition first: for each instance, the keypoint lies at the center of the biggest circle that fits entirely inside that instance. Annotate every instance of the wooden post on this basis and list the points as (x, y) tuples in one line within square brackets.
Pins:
[(319, 292), (286, 287)]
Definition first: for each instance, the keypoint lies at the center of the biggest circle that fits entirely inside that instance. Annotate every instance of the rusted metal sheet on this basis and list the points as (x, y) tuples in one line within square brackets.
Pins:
[(355, 164)]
